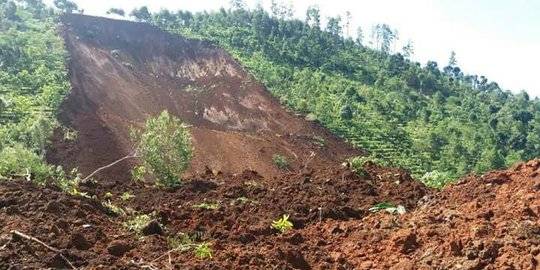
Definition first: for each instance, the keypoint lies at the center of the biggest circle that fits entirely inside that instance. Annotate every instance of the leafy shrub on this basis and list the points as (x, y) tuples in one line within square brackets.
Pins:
[(280, 161), (435, 179), (17, 162), (165, 148), (70, 134), (137, 174), (207, 206), (282, 224), (68, 182)]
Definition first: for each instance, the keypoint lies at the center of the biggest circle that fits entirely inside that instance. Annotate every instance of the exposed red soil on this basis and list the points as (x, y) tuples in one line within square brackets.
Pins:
[(486, 222), (123, 72)]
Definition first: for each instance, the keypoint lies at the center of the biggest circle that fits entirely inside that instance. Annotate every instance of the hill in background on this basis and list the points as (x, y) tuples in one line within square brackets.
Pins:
[(432, 119)]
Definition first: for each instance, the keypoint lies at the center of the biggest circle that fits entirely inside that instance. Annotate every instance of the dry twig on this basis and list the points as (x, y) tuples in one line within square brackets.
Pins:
[(133, 155), (31, 238)]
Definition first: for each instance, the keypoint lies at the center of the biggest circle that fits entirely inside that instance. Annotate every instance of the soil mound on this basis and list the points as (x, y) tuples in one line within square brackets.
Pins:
[(486, 222), (231, 212), (123, 72)]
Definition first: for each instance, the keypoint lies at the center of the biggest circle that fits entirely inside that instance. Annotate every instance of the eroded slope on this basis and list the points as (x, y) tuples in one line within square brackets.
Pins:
[(123, 72)]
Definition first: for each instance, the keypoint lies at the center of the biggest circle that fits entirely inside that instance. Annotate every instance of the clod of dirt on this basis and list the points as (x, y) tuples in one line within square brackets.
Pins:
[(295, 258), (153, 227), (79, 242), (53, 207), (118, 247), (406, 241), (12, 210), (57, 262)]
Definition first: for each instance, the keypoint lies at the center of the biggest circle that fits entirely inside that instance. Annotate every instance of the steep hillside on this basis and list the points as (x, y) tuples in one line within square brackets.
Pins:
[(431, 119), (122, 72)]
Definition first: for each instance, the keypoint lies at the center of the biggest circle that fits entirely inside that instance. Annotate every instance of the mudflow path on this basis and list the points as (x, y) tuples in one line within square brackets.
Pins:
[(123, 72)]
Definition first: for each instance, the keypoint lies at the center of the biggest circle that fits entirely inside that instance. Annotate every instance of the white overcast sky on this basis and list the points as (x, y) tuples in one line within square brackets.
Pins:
[(496, 38)]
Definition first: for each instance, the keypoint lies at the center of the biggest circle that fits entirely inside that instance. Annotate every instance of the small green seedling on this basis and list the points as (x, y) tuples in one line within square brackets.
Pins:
[(388, 207), (137, 223), (108, 195), (203, 251), (180, 242), (126, 196), (138, 173), (282, 224), (114, 209), (183, 242), (243, 200), (207, 206), (280, 161)]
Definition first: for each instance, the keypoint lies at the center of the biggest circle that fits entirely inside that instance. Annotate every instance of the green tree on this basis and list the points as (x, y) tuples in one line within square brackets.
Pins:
[(384, 37), (65, 6), (165, 148), (117, 11), (141, 14)]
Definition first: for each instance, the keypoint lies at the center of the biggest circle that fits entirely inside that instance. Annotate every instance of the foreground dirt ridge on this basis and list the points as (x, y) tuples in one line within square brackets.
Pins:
[(485, 222), (123, 72)]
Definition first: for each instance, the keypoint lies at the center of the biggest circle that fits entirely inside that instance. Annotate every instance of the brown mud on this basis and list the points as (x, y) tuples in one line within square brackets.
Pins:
[(485, 222), (123, 72)]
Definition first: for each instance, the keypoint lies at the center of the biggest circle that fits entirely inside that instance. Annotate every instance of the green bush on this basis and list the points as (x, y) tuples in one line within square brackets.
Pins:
[(436, 179), (18, 162), (165, 148), (33, 83), (137, 173), (137, 223), (203, 251), (280, 161)]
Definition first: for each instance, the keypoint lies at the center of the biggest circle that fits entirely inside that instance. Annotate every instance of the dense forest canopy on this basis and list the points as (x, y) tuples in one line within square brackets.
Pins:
[(33, 83), (434, 120)]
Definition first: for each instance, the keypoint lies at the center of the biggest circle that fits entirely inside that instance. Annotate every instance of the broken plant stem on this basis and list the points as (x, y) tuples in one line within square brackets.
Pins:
[(133, 155), (31, 238), (5, 245), (165, 254)]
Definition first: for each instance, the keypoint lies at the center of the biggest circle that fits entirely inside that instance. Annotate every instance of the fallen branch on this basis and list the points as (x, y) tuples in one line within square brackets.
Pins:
[(165, 254), (6, 244), (143, 265), (134, 155), (31, 238)]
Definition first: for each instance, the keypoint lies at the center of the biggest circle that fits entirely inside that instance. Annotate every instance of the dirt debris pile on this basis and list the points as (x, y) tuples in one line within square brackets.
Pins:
[(486, 222)]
